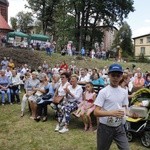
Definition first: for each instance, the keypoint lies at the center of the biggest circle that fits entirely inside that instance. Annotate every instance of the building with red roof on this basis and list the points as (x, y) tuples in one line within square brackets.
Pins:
[(4, 27)]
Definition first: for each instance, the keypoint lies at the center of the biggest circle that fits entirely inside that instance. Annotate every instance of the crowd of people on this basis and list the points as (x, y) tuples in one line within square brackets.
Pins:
[(61, 87), (97, 52)]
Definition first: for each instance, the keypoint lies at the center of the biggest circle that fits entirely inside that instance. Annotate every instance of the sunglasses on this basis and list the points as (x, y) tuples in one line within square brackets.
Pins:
[(63, 77), (116, 75)]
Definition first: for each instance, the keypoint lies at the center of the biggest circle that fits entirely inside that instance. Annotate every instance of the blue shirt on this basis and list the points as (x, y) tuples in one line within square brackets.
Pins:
[(99, 81), (49, 89), (4, 81), (82, 51)]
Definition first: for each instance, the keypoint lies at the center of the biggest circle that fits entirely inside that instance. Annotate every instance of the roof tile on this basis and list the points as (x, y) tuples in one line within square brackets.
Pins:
[(3, 23)]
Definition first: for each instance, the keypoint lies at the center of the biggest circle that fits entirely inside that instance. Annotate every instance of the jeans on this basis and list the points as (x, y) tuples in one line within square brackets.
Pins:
[(3, 92), (15, 92)]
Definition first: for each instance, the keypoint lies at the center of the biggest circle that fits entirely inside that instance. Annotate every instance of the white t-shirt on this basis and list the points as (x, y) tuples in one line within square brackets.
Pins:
[(77, 92), (110, 99), (61, 89), (84, 79), (55, 70), (8, 74)]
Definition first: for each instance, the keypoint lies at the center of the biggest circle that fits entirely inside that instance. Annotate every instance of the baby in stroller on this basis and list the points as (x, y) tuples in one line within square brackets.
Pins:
[(140, 104)]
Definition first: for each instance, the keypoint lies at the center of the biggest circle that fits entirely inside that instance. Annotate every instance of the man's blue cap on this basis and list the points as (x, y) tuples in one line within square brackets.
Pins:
[(115, 68)]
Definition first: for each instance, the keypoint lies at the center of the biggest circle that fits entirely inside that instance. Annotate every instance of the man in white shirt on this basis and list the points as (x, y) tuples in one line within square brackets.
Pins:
[(8, 72), (84, 77), (23, 70)]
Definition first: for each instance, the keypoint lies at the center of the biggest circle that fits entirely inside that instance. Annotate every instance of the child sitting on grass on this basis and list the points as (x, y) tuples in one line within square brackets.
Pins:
[(86, 107)]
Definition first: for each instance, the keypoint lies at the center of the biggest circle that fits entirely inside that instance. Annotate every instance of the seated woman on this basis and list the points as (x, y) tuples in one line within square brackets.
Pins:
[(4, 87), (29, 83), (45, 99), (11, 64), (14, 87), (97, 80), (73, 97), (56, 81), (38, 92), (60, 93), (138, 83)]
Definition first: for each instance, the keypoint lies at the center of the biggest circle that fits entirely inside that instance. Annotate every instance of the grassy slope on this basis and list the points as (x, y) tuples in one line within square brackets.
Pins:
[(35, 59)]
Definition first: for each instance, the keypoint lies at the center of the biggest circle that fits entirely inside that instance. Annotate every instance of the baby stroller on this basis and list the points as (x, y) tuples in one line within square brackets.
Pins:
[(140, 127)]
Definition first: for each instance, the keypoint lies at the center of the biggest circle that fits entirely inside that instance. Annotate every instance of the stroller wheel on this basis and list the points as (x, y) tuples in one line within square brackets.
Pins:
[(145, 139), (129, 136)]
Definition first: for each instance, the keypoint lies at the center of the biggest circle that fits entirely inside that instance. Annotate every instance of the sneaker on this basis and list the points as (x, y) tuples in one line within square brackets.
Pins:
[(38, 118), (11, 103), (3, 104), (57, 128), (63, 130), (44, 119), (22, 114)]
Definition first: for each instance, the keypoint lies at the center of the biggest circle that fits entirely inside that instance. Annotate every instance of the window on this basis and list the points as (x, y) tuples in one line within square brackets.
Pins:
[(141, 41), (142, 50), (148, 39)]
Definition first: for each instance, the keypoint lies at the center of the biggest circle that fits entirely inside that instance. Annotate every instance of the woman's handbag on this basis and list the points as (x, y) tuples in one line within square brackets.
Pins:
[(46, 97), (58, 99)]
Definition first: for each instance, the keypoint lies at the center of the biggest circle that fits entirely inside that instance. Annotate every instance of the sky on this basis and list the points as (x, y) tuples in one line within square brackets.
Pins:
[(139, 20)]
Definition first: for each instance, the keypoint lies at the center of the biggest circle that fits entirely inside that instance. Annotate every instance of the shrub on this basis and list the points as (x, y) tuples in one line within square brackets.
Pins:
[(143, 59)]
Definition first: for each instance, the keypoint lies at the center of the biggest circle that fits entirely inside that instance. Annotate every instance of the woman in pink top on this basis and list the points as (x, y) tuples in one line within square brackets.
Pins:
[(86, 107), (138, 83)]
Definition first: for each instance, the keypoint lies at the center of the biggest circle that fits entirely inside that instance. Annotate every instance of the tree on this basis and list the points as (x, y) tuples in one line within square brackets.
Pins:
[(64, 24), (44, 10), (13, 22), (24, 20), (124, 39), (89, 13)]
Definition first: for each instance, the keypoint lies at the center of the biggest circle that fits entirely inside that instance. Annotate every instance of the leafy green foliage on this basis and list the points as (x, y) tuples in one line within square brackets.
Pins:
[(44, 10), (13, 21), (124, 39), (143, 59), (24, 20)]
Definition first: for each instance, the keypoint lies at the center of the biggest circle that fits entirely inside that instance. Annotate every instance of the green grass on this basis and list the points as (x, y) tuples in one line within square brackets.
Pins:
[(90, 63), (18, 133)]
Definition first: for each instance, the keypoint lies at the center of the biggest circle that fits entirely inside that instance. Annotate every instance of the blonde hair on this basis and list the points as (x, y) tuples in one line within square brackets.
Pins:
[(35, 73), (124, 77), (75, 75)]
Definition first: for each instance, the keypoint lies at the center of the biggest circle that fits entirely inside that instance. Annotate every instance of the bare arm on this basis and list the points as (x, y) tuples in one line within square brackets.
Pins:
[(98, 112)]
